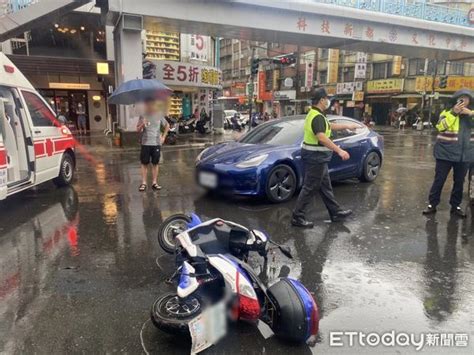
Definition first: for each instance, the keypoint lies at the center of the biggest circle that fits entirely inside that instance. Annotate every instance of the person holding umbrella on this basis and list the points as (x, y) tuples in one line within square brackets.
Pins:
[(153, 129), (454, 149), (152, 125)]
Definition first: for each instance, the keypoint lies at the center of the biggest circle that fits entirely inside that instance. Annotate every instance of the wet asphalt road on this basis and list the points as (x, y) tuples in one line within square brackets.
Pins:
[(79, 267)]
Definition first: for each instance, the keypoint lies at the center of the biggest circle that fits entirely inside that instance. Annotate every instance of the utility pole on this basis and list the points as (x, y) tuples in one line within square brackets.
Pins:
[(435, 73), (251, 86)]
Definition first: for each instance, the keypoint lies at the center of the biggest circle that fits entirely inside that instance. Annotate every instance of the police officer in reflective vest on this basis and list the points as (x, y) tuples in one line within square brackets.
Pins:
[(316, 152), (454, 149)]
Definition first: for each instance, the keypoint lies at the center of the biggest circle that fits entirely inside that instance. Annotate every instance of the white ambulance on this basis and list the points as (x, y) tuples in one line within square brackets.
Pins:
[(34, 147)]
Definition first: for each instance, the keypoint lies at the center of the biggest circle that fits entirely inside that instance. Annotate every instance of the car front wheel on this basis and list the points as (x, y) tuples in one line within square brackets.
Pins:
[(281, 184), (371, 168)]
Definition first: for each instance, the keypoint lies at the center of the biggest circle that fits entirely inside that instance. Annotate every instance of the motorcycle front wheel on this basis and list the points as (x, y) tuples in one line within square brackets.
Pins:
[(172, 314), (172, 225)]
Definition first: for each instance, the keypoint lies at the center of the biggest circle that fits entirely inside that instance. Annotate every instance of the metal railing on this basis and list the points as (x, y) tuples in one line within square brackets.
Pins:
[(409, 8), (10, 6)]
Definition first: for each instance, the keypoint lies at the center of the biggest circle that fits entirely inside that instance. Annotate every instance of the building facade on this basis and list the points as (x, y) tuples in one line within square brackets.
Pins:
[(69, 61), (358, 82), (187, 64)]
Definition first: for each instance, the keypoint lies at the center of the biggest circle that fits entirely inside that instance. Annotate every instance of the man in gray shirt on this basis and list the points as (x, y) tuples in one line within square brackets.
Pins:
[(153, 129)]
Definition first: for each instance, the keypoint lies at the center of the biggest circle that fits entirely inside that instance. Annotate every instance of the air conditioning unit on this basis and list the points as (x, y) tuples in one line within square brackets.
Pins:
[(132, 22)]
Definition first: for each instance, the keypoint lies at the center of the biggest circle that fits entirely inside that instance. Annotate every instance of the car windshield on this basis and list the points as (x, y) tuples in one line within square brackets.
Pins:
[(281, 132)]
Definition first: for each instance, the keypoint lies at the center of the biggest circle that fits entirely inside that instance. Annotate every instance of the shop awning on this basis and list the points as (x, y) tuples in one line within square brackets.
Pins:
[(375, 96), (407, 96)]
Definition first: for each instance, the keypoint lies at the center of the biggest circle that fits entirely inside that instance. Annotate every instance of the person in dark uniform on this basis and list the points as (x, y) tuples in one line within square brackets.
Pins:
[(316, 152), (454, 149)]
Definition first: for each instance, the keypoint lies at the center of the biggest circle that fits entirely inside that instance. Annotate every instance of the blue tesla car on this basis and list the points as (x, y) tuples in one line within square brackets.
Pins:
[(266, 161)]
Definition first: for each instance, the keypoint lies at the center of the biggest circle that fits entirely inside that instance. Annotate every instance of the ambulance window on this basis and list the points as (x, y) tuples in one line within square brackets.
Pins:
[(40, 114)]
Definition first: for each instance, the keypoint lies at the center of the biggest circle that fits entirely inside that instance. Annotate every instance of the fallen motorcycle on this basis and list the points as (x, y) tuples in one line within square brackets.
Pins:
[(212, 269)]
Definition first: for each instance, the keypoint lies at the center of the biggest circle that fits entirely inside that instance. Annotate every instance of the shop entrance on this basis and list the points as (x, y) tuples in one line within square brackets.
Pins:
[(67, 102), (380, 112)]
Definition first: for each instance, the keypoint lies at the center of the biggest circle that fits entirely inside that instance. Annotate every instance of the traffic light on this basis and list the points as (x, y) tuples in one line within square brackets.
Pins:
[(288, 59), (254, 66), (443, 82)]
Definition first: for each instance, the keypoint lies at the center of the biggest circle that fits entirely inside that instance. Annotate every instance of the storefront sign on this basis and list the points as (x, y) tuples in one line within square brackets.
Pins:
[(70, 86), (239, 85), (333, 65), (284, 95), (349, 87), (262, 94), (199, 47), (384, 86), (397, 65), (309, 73), (350, 104), (330, 90), (358, 96), (454, 83), (360, 66), (276, 78), (187, 74), (102, 68)]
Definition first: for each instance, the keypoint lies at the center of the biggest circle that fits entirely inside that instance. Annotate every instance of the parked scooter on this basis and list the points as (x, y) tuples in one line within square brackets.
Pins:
[(236, 125), (187, 126), (256, 119), (172, 136), (202, 125), (212, 271)]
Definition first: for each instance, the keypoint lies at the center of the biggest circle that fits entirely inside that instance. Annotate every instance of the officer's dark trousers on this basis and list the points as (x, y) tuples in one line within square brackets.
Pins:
[(443, 167), (316, 178)]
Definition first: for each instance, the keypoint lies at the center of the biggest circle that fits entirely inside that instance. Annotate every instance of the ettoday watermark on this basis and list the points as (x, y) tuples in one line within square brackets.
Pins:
[(397, 339)]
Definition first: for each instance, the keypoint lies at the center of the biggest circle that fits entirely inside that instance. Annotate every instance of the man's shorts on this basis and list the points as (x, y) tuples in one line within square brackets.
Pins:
[(150, 154)]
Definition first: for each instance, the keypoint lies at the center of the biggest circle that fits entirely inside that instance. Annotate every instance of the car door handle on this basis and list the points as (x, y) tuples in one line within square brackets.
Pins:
[(37, 132)]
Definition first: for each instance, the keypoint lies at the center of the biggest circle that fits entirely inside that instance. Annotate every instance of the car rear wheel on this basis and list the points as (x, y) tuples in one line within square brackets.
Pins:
[(371, 168), (281, 184)]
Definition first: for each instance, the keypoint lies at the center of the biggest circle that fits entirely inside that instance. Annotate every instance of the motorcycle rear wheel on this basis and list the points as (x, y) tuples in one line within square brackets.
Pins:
[(165, 233), (171, 314)]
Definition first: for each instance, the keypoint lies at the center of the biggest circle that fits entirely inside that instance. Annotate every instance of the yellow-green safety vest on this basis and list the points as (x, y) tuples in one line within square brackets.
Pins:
[(309, 136), (448, 126)]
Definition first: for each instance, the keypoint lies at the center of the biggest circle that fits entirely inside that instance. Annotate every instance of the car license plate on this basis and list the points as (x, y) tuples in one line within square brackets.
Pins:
[(207, 179), (208, 327)]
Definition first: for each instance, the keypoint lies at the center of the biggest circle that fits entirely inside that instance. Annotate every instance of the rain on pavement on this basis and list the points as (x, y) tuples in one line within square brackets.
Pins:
[(80, 267)]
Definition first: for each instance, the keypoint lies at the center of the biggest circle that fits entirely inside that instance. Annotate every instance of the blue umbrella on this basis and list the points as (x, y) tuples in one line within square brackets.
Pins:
[(137, 90)]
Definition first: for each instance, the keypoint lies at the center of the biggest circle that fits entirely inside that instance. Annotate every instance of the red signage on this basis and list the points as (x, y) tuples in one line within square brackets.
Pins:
[(262, 94)]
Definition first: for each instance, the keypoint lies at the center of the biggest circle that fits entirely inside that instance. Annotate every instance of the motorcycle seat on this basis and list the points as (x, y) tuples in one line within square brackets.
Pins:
[(219, 236)]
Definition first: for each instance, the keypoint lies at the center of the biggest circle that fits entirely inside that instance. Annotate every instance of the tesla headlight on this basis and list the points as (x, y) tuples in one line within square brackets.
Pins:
[(255, 161), (198, 158)]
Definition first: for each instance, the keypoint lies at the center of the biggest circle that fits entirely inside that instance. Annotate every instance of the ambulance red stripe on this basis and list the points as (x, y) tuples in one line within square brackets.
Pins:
[(3, 157)]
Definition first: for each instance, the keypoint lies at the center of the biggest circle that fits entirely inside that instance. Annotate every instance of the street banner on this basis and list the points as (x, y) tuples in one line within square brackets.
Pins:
[(173, 73), (333, 65)]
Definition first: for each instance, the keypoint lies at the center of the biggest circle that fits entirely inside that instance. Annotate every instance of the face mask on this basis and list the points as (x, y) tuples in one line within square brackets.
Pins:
[(327, 103)]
